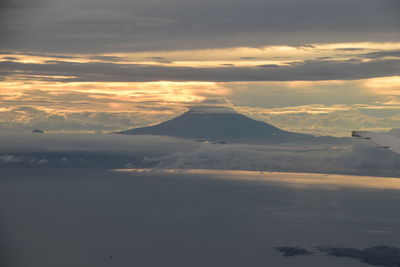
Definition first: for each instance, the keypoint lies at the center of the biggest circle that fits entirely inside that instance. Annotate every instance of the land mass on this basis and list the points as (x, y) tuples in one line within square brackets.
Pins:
[(378, 255)]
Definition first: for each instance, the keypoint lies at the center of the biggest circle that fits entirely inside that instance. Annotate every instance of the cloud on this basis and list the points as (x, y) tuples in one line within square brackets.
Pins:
[(25, 118), (13, 159), (382, 54), (9, 159), (336, 120), (213, 105), (309, 70), (350, 49), (356, 158), (6, 4), (116, 151), (74, 26), (77, 111), (107, 58)]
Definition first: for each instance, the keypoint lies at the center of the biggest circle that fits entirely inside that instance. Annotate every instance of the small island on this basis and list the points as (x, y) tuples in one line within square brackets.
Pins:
[(293, 251)]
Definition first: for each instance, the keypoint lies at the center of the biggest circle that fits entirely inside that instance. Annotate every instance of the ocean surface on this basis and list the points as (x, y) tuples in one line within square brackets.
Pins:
[(94, 217)]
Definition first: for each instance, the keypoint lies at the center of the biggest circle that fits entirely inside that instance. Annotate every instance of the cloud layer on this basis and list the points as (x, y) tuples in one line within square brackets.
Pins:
[(74, 26), (77, 111), (310, 70), (116, 151)]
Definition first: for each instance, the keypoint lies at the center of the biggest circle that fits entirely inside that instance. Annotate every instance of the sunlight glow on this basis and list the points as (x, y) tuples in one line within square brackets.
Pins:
[(296, 180), (238, 56), (384, 85)]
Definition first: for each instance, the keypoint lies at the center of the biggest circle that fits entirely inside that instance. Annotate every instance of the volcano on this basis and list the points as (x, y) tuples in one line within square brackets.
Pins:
[(217, 119)]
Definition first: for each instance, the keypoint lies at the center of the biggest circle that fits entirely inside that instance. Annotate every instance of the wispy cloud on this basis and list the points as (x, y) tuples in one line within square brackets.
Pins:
[(309, 70)]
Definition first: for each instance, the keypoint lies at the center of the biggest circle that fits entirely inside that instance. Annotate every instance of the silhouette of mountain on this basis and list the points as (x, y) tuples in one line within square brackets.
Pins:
[(216, 119)]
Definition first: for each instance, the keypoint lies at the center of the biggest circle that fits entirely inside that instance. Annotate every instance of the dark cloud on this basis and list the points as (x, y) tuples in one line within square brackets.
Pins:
[(107, 58), (269, 66), (382, 54), (160, 59), (156, 58), (249, 58), (10, 58), (4, 4), (350, 49), (309, 70), (37, 54), (142, 25)]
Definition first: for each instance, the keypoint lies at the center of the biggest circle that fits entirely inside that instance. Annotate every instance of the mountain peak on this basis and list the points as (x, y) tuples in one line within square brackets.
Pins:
[(215, 105), (217, 119)]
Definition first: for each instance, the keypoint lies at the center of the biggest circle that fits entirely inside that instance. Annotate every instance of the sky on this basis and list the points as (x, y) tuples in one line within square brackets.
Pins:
[(98, 66)]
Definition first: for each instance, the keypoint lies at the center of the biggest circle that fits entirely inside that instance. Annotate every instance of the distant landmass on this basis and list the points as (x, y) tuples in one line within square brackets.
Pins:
[(378, 255), (217, 119), (293, 251)]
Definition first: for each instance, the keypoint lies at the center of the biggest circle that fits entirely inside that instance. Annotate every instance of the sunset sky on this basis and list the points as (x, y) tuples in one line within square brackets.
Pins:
[(321, 67)]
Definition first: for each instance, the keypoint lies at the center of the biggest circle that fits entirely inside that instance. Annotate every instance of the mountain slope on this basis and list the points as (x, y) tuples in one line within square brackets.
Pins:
[(220, 121)]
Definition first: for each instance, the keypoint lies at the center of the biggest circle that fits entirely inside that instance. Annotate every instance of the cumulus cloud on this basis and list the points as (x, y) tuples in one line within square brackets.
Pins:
[(336, 120), (27, 118), (74, 111)]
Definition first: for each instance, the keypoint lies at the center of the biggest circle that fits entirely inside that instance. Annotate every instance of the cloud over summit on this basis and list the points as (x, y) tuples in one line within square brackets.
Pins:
[(214, 105)]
